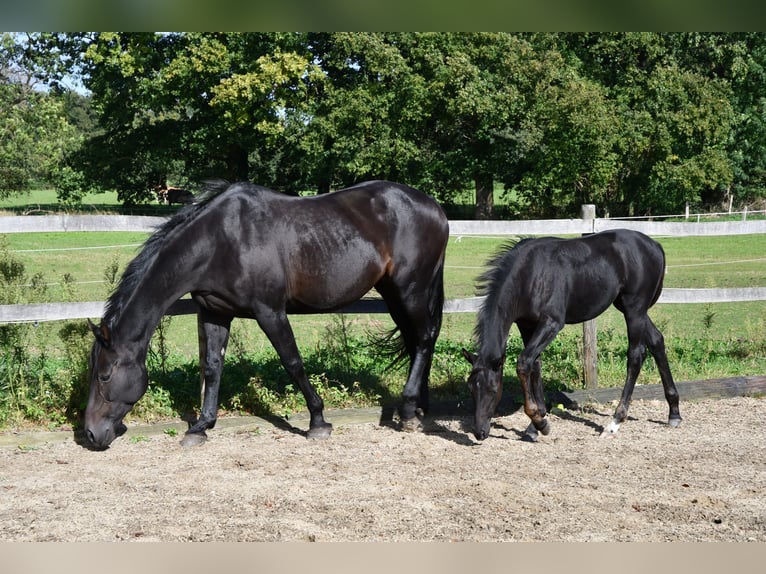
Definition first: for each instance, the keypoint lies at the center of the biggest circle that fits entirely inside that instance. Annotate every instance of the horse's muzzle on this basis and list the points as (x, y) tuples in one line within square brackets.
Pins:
[(101, 436), (481, 433)]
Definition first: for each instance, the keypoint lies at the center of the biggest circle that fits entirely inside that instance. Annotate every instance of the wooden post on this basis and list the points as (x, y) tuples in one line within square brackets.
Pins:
[(589, 344)]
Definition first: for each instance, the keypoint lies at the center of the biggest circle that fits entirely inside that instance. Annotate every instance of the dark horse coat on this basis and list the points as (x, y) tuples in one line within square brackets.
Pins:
[(544, 283), (247, 251)]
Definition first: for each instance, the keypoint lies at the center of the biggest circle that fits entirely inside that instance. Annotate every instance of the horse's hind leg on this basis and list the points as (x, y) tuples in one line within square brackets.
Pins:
[(419, 329), (637, 333), (656, 343), (213, 333)]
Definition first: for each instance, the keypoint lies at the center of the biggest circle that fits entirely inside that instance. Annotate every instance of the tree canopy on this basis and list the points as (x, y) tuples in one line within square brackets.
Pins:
[(635, 123)]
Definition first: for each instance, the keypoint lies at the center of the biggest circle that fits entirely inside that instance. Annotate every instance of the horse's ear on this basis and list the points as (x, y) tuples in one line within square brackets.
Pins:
[(101, 332), (470, 357)]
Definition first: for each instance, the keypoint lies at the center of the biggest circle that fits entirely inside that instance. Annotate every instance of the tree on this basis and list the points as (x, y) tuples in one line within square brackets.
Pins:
[(189, 106), (479, 83), (634, 122), (739, 61), (673, 123), (35, 134)]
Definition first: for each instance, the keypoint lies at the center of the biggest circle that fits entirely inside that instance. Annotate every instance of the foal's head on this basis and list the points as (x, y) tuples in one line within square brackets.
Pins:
[(486, 384)]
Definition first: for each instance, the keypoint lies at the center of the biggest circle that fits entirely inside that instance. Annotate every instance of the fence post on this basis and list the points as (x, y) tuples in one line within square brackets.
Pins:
[(589, 344)]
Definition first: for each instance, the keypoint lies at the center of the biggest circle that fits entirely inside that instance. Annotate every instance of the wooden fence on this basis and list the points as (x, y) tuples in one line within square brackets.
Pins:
[(94, 309)]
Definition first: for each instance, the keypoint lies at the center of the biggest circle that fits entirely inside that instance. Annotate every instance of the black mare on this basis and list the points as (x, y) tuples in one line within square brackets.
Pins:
[(541, 285), (247, 251)]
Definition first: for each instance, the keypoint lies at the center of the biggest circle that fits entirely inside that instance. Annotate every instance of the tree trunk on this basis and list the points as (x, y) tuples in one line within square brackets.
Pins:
[(485, 201)]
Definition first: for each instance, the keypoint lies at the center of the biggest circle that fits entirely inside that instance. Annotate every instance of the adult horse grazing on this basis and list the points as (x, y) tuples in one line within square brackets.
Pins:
[(542, 284), (247, 251)]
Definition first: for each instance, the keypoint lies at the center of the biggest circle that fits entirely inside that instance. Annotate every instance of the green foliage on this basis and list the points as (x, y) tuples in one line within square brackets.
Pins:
[(30, 383), (35, 133), (637, 123)]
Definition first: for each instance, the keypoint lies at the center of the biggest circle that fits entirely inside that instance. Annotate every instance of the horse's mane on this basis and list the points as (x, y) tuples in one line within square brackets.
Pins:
[(137, 267), (490, 285)]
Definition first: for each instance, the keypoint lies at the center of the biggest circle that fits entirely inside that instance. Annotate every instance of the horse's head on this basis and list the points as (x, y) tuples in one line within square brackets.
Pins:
[(486, 384), (117, 381)]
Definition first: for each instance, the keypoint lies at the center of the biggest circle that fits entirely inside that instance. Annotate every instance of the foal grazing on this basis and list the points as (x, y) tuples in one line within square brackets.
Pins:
[(541, 285), (247, 251)]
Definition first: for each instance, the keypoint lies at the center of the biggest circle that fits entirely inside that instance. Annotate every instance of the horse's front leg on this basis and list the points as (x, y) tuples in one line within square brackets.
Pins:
[(528, 369), (535, 385), (213, 333), (277, 328)]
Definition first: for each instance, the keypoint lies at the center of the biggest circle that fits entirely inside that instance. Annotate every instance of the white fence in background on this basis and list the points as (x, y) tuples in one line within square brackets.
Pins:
[(458, 228)]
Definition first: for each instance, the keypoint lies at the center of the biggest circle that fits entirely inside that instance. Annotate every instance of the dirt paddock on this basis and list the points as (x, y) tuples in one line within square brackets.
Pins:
[(704, 481)]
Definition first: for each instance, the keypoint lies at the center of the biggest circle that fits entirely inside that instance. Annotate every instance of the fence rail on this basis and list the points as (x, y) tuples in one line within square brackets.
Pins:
[(94, 309), (60, 223), (41, 312)]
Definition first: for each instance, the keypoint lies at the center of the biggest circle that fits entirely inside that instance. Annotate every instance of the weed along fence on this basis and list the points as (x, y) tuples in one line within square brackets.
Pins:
[(458, 229)]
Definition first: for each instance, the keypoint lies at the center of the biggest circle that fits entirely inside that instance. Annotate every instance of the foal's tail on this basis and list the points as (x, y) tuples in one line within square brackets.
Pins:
[(398, 346)]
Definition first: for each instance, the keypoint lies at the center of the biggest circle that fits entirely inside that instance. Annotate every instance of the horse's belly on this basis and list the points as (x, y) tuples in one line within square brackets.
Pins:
[(585, 309), (315, 294)]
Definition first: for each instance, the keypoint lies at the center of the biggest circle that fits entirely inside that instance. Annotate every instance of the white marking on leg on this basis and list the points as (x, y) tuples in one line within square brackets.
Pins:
[(612, 429)]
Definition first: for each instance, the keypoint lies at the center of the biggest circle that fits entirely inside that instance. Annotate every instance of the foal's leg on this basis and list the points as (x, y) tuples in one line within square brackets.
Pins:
[(536, 385), (637, 328), (213, 333), (656, 343), (277, 328), (528, 369)]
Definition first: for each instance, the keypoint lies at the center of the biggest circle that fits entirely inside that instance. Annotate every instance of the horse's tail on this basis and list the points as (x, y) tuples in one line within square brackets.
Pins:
[(393, 344), (436, 300)]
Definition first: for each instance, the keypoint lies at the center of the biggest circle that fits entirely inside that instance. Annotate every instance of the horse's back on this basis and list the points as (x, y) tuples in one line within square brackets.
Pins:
[(578, 278), (325, 251)]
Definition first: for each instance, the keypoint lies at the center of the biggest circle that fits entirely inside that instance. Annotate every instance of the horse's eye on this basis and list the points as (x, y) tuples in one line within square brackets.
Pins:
[(104, 376)]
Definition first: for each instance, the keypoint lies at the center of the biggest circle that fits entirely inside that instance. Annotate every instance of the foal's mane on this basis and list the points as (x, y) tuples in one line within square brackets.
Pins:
[(152, 246), (490, 285)]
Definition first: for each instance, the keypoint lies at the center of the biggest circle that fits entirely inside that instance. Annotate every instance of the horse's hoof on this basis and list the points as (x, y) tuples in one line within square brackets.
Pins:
[(193, 439), (611, 430), (545, 427), (412, 425), (531, 434), (319, 433), (675, 422)]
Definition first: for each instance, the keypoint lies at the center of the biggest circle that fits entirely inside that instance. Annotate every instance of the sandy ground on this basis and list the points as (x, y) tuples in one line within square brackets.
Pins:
[(704, 481)]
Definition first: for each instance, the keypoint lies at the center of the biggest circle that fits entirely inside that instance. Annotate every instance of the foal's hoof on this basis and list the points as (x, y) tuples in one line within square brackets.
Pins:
[(531, 434), (319, 432), (412, 425), (611, 430), (675, 422), (193, 439)]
